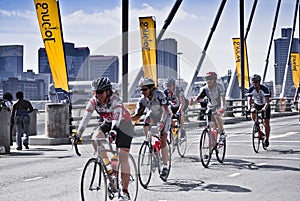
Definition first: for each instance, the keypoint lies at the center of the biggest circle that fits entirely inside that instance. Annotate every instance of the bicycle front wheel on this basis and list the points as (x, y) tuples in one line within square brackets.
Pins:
[(133, 178), (205, 148), (145, 164), (93, 182), (255, 138), (182, 143), (221, 150)]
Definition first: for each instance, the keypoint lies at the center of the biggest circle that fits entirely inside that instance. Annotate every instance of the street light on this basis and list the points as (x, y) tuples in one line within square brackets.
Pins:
[(179, 54)]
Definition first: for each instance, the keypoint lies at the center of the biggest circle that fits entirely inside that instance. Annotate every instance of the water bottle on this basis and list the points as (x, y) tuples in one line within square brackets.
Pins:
[(156, 145), (114, 162), (215, 133), (108, 166)]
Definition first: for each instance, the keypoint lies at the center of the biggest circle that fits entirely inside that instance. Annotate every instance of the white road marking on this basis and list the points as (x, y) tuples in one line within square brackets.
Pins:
[(33, 179), (234, 174), (261, 164), (282, 135)]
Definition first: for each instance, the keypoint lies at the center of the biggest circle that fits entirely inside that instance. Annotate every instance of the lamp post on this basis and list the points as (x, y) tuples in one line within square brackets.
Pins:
[(178, 69)]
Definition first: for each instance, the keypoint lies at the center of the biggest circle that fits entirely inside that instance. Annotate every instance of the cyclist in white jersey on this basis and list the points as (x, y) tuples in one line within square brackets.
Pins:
[(156, 102), (259, 99), (116, 121)]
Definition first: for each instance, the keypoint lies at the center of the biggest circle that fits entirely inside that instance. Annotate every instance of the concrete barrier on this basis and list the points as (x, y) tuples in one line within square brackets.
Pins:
[(4, 131), (57, 120)]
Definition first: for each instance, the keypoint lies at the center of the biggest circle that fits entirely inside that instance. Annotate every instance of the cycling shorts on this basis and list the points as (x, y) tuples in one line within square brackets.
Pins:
[(125, 133), (265, 114)]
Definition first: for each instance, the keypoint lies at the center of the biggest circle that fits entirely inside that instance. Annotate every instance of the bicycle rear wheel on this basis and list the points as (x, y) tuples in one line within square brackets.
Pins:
[(133, 179), (221, 150), (93, 181), (182, 143), (145, 164), (205, 148), (255, 138)]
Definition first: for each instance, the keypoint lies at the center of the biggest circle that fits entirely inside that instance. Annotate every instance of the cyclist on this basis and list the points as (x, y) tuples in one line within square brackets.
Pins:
[(297, 99), (116, 121), (156, 102), (215, 93), (260, 95), (177, 101)]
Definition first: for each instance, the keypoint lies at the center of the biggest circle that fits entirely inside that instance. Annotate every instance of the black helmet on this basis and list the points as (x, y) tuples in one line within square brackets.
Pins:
[(147, 82), (101, 84), (256, 78), (170, 81)]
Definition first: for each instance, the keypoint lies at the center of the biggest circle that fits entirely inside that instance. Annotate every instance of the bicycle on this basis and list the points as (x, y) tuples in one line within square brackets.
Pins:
[(96, 181), (209, 140), (258, 134), (150, 159), (177, 138)]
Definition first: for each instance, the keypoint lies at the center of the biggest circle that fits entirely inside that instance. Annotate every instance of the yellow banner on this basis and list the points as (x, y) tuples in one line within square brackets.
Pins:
[(295, 66), (49, 20), (148, 42), (237, 54)]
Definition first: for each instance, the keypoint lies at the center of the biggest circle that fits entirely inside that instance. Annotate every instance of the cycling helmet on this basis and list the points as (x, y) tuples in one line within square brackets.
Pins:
[(170, 81), (211, 75), (147, 82), (101, 84), (256, 78)]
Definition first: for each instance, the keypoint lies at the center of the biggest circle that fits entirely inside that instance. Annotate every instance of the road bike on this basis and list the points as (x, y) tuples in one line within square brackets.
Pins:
[(150, 157), (209, 140), (97, 183), (177, 138), (258, 135)]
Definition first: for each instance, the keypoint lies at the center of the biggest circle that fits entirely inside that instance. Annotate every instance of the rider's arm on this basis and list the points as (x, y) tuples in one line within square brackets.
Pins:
[(267, 103), (138, 112), (90, 107), (249, 102)]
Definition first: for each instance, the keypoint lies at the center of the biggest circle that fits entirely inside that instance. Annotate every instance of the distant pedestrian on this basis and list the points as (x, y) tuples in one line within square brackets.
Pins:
[(8, 97), (20, 118)]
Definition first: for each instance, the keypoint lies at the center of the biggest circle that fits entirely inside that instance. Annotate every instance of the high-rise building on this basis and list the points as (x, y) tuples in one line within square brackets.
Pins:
[(77, 61), (104, 66), (281, 55), (167, 58), (11, 61)]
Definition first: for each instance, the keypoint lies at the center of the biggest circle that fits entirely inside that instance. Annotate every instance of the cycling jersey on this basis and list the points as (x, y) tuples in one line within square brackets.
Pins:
[(112, 113), (259, 96), (213, 95), (174, 99), (154, 105)]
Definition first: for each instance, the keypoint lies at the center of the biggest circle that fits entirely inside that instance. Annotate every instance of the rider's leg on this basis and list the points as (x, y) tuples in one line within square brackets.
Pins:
[(100, 134), (147, 123), (219, 122), (164, 147), (125, 167)]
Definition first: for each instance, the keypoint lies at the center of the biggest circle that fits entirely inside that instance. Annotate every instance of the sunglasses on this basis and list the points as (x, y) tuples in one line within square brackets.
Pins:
[(99, 91), (144, 89)]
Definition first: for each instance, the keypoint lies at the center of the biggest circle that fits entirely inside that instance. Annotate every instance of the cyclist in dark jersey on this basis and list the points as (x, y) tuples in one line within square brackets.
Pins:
[(215, 93), (259, 99), (177, 101), (156, 102)]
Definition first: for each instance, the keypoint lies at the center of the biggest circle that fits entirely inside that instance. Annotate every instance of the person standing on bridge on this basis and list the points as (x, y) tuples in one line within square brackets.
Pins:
[(21, 119), (159, 112), (297, 99), (177, 101), (215, 93), (116, 121), (259, 99)]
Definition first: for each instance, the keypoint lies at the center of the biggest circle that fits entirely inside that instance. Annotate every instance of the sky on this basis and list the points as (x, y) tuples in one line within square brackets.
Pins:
[(97, 24)]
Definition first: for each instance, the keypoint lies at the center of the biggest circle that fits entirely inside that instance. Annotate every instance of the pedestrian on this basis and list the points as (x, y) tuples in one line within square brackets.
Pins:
[(8, 97), (20, 118)]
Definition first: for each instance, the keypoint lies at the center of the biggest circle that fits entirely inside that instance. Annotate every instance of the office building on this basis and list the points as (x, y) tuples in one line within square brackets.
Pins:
[(167, 58), (104, 66), (77, 61), (281, 54), (11, 61)]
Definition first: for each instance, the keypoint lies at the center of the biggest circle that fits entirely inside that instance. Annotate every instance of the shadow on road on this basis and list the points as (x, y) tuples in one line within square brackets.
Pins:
[(196, 185)]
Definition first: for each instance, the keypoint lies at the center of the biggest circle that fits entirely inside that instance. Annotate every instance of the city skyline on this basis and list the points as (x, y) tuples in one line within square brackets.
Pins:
[(83, 22)]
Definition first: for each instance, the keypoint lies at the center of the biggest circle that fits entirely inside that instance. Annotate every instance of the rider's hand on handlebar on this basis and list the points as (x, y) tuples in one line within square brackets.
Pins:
[(220, 111), (112, 135)]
